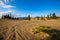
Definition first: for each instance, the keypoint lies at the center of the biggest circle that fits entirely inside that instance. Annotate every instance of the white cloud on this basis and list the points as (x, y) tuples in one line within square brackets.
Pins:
[(6, 1), (3, 5), (5, 12)]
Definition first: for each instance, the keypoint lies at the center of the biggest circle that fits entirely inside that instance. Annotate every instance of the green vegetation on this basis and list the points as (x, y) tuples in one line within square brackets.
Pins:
[(40, 29), (48, 17), (42, 17), (55, 34), (52, 16), (29, 18)]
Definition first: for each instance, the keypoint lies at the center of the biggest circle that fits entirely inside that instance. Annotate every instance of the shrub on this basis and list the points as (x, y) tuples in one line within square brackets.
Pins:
[(54, 34)]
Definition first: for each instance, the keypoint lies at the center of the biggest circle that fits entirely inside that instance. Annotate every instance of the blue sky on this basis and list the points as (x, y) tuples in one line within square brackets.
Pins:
[(34, 8)]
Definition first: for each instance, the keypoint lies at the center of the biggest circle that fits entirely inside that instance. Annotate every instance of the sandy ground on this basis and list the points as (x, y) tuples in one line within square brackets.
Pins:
[(22, 29)]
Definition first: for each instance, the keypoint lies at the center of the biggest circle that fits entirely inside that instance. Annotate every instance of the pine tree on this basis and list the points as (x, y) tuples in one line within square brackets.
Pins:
[(29, 18), (42, 18), (54, 16), (48, 17), (37, 17)]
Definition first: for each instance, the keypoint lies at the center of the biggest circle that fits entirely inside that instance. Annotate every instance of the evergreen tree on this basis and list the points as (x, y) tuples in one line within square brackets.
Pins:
[(29, 18), (54, 16), (48, 17), (37, 17), (42, 18)]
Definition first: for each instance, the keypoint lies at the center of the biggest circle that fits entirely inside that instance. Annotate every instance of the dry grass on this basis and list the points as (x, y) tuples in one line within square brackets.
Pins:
[(22, 29)]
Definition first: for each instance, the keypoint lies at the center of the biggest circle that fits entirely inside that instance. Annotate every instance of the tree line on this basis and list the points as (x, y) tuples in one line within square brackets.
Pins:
[(50, 16)]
